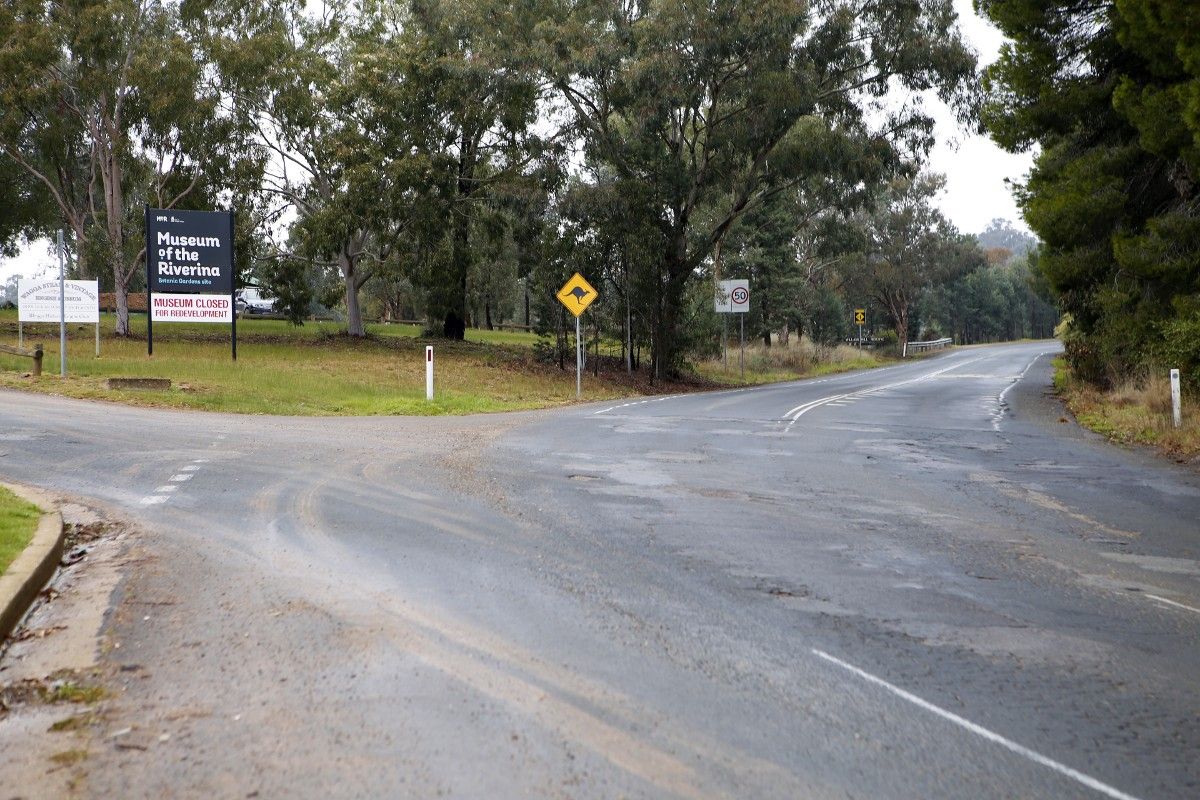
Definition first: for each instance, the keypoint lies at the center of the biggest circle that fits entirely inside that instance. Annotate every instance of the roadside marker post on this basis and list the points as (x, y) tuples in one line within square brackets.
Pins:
[(428, 372), (1176, 410), (577, 294)]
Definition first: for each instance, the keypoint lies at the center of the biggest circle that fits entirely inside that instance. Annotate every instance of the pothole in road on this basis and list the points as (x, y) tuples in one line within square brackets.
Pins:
[(784, 591)]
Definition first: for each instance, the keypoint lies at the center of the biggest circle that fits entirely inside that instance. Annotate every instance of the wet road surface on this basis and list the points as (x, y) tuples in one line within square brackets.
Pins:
[(913, 581)]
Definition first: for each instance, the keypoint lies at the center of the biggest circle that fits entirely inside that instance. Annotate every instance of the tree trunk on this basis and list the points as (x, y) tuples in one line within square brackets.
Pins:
[(487, 313), (354, 320), (785, 334), (665, 354)]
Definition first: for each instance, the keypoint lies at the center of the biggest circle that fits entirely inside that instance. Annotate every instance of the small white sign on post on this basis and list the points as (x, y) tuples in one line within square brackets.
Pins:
[(191, 308), (733, 297), (38, 301), (1176, 411)]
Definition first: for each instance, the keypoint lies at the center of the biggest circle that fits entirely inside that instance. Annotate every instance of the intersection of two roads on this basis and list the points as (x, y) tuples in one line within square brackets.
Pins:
[(918, 581)]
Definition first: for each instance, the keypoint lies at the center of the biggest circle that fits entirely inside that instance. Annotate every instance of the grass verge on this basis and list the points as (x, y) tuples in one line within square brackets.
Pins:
[(315, 370), (18, 521), (1136, 412)]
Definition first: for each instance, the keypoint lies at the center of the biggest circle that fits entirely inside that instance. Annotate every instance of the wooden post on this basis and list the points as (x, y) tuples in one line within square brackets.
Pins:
[(35, 354)]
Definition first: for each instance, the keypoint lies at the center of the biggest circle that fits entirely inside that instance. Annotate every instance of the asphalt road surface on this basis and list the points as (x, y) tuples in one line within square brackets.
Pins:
[(919, 581)]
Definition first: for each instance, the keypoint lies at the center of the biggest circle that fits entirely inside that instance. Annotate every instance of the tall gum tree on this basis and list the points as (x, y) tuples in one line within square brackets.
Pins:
[(104, 103), (705, 102)]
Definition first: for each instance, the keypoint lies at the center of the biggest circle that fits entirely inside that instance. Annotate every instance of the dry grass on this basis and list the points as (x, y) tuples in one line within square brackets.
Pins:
[(1137, 411), (315, 370), (800, 359)]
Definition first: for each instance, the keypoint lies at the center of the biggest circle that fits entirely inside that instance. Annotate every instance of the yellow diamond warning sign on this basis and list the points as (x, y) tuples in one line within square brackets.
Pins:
[(860, 316), (576, 294)]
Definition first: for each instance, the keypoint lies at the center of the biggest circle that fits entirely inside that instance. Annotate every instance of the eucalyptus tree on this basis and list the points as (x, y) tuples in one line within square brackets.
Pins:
[(292, 72), (450, 87), (714, 107), (912, 248), (106, 105)]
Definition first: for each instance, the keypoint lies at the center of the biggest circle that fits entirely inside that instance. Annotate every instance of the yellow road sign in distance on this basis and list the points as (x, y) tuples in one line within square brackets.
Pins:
[(860, 316), (577, 294)]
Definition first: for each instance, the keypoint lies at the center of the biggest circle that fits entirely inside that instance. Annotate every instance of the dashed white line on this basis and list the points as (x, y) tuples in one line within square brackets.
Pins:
[(166, 489), (154, 500), (182, 476), (981, 731), (794, 414), (1173, 603)]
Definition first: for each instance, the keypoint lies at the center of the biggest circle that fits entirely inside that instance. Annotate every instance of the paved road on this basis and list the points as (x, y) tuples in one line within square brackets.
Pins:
[(912, 582)]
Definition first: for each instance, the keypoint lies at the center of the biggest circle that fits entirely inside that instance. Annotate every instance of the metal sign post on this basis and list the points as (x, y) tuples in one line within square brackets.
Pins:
[(62, 309), (742, 354), (733, 297), (577, 294)]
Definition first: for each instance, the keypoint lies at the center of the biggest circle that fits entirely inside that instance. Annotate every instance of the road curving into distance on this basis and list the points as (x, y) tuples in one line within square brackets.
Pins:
[(916, 581)]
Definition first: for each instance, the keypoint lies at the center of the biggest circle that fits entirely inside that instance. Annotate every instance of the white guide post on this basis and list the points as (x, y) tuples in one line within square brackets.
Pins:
[(1176, 411), (428, 372)]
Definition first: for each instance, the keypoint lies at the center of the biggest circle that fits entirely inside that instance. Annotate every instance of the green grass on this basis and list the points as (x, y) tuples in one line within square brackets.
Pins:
[(18, 521), (316, 369)]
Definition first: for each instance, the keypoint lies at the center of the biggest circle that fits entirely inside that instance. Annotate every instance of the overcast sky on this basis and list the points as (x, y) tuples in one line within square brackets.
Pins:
[(975, 168)]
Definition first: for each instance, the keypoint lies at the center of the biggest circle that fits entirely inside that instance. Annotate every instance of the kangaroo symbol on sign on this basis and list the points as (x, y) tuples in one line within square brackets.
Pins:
[(579, 293)]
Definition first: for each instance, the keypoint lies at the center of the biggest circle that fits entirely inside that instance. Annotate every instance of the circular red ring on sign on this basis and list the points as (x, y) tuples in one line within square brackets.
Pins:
[(740, 296)]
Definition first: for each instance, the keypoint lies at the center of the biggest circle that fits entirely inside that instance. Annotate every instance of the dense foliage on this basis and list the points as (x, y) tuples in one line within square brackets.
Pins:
[(457, 161), (1111, 93)]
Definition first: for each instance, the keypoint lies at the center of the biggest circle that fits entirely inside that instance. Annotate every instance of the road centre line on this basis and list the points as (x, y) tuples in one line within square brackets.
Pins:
[(794, 414), (760, 387), (1172, 603), (981, 731), (181, 476)]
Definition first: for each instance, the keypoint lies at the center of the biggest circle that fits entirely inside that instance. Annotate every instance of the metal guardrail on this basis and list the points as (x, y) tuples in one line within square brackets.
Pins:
[(920, 347)]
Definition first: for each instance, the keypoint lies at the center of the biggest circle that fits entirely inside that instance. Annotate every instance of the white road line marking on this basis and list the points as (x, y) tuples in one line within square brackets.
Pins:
[(182, 476), (166, 489), (1172, 603), (200, 461), (189, 468), (1000, 398), (979, 730), (154, 500), (800, 410)]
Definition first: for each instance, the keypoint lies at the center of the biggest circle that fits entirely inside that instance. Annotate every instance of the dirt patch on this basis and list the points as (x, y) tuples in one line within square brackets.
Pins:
[(53, 691)]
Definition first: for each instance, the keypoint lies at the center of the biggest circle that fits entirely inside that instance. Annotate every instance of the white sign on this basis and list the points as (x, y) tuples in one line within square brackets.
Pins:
[(38, 301), (733, 297), (191, 308)]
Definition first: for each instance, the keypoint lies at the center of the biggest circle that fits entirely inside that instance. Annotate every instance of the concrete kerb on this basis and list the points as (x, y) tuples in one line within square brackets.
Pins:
[(35, 566)]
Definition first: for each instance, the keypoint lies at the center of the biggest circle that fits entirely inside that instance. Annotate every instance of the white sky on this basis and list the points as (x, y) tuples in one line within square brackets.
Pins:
[(975, 168)]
